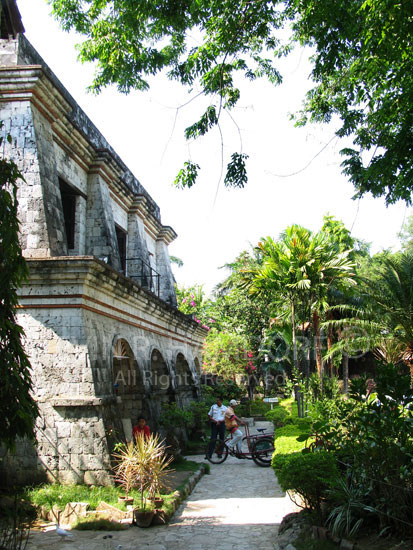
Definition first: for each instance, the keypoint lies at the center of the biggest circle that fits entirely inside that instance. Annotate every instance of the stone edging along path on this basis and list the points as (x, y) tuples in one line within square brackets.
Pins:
[(182, 494)]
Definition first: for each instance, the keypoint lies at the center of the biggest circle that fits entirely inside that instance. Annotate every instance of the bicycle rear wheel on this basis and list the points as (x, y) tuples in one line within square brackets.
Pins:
[(262, 451), (219, 452)]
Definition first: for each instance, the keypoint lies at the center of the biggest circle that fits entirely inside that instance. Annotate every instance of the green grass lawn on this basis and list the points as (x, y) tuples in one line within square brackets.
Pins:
[(49, 495), (94, 524), (182, 465), (290, 405), (285, 437)]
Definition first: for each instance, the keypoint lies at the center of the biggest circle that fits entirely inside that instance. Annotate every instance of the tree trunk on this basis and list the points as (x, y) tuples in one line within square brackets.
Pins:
[(306, 368), (309, 346), (407, 358), (330, 364), (251, 386), (295, 356), (317, 343), (345, 372), (410, 365)]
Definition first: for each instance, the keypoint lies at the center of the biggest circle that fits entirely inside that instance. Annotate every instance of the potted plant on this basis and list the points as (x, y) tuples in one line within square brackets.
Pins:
[(125, 469), (143, 464), (153, 467), (160, 469)]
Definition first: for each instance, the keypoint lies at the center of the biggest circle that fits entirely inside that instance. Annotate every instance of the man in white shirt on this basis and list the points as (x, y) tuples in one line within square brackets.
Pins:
[(216, 416)]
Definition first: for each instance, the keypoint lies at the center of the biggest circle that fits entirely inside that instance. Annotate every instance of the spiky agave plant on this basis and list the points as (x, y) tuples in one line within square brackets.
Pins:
[(143, 464), (126, 468), (153, 465), (346, 518)]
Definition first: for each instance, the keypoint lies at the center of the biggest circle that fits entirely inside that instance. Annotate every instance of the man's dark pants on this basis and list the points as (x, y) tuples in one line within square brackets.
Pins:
[(217, 430)]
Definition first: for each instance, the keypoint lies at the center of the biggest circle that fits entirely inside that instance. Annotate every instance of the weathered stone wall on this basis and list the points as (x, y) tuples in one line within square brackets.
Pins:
[(163, 263), (74, 311), (53, 138), (104, 347), (18, 123), (100, 225)]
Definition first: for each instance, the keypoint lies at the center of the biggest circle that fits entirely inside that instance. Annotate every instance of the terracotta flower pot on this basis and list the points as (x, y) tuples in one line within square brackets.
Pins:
[(159, 518), (158, 502), (125, 500), (143, 518)]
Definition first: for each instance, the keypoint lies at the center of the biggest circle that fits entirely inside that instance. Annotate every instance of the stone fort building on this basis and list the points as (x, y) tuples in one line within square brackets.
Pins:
[(102, 331)]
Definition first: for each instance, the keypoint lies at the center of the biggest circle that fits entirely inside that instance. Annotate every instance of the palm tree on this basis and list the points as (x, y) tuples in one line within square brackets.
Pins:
[(330, 270), (301, 268), (394, 300), (282, 274), (386, 327)]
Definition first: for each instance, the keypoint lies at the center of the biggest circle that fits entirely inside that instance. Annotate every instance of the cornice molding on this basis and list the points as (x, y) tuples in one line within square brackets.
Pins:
[(90, 275), (32, 83), (156, 230)]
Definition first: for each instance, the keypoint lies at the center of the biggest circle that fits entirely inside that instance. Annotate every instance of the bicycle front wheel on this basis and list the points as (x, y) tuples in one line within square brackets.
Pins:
[(262, 451), (216, 452)]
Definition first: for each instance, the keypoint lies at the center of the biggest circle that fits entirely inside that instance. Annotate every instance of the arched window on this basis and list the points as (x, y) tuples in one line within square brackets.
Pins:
[(185, 380), (160, 378), (126, 374)]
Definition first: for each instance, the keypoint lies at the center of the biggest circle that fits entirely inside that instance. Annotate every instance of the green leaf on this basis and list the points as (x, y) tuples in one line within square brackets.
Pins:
[(186, 177), (236, 175)]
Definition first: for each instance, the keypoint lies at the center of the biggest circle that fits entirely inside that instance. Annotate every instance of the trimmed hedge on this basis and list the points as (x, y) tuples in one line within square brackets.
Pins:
[(279, 416), (309, 475)]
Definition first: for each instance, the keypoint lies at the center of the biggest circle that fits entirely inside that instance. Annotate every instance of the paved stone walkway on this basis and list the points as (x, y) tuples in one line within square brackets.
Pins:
[(238, 507)]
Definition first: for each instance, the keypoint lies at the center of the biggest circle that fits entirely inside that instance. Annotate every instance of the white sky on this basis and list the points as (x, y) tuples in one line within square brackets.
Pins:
[(213, 229)]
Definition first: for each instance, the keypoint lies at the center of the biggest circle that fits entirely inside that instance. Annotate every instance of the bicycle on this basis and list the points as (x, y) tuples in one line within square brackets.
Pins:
[(260, 448)]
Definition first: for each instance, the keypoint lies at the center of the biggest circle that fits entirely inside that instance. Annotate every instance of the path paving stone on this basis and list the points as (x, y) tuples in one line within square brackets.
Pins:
[(238, 507)]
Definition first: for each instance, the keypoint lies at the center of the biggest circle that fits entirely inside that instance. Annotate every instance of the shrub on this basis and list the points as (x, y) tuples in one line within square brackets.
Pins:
[(173, 416), (199, 416), (278, 416), (259, 408), (327, 409), (94, 524), (310, 475), (243, 410), (372, 437), (228, 389), (329, 389)]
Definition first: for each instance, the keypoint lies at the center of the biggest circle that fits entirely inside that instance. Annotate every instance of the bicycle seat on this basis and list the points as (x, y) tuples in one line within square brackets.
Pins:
[(261, 430)]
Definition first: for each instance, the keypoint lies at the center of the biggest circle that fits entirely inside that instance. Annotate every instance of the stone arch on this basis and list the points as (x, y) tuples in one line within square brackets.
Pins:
[(123, 360), (128, 385), (197, 365), (162, 387), (161, 380), (185, 380)]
